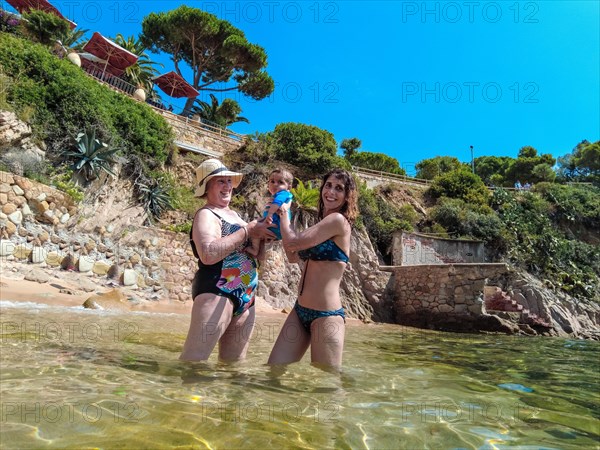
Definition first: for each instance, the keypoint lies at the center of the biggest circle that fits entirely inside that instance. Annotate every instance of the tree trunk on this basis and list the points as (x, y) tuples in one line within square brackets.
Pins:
[(187, 109)]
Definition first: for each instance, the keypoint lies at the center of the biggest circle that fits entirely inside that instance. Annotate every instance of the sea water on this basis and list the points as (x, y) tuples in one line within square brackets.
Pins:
[(75, 378)]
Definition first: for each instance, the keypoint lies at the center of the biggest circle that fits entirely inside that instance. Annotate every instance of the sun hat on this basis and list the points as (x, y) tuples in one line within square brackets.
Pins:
[(213, 168)]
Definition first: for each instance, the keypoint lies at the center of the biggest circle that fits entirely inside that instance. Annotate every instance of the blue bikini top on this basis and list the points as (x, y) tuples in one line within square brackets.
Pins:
[(325, 251)]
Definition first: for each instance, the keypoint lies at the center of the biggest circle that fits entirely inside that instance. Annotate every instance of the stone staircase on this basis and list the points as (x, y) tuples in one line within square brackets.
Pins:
[(496, 299)]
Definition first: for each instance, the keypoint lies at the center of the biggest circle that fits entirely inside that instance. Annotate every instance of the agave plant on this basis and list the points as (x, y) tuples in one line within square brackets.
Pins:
[(91, 156), (306, 197), (155, 198)]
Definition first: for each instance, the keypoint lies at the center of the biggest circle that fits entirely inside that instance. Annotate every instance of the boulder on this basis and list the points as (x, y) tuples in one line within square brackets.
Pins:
[(130, 277), (85, 264), (113, 300), (101, 268), (22, 252), (38, 255), (7, 247), (54, 258), (37, 275)]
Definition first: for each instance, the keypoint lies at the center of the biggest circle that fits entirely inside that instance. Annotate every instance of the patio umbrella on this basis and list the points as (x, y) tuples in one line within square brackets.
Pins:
[(113, 54), (24, 6), (174, 85), (91, 62)]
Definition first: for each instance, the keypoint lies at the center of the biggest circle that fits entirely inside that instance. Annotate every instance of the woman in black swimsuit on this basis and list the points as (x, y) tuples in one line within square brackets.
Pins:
[(317, 319), (225, 284)]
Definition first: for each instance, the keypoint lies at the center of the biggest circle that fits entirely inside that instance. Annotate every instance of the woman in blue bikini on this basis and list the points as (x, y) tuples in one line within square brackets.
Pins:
[(317, 319), (225, 284)]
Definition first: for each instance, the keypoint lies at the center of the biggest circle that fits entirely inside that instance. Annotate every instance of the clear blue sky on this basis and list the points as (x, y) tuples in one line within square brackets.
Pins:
[(411, 79)]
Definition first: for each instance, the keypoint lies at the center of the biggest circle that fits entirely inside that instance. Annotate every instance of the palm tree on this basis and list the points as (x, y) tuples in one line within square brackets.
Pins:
[(141, 73), (222, 115), (72, 39)]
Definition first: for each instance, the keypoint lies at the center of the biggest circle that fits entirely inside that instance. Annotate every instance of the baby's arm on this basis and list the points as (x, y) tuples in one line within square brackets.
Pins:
[(273, 208), (279, 198)]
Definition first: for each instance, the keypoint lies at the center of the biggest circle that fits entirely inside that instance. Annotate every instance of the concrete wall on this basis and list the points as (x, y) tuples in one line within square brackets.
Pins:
[(410, 249)]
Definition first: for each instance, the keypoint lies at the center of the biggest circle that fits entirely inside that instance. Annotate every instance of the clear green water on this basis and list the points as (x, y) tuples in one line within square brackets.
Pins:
[(83, 379)]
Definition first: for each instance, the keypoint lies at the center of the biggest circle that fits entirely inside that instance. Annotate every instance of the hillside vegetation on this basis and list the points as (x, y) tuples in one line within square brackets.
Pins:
[(550, 230)]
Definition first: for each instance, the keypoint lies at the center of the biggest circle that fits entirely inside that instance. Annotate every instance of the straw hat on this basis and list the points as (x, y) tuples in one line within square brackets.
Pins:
[(213, 168)]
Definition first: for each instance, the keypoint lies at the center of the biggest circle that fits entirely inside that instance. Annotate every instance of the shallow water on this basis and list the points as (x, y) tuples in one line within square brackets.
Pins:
[(78, 378)]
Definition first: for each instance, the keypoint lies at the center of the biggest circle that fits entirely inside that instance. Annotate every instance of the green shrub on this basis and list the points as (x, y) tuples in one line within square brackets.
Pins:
[(381, 219), (534, 243), (466, 220), (66, 101), (180, 227), (183, 199), (376, 161), (576, 204), (44, 27), (64, 182), (461, 184), (308, 147)]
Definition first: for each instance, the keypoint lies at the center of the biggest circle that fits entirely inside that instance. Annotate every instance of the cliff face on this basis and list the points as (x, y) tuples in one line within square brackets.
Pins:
[(40, 225)]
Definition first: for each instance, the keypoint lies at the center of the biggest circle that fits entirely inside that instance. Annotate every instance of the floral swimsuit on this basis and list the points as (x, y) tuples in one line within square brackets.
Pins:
[(234, 277)]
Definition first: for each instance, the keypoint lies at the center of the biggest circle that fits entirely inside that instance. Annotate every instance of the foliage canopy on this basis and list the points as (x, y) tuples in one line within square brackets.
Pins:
[(216, 51), (306, 146), (428, 169)]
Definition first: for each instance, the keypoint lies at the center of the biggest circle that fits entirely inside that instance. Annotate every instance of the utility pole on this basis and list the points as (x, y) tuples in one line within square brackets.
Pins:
[(472, 160)]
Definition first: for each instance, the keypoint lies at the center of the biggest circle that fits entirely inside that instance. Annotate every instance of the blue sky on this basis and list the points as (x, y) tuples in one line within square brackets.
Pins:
[(411, 79)]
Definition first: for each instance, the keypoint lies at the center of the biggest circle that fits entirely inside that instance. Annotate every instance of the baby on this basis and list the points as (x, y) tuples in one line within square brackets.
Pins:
[(280, 182)]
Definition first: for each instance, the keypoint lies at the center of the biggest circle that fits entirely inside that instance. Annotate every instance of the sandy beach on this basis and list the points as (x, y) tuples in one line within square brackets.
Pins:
[(65, 288)]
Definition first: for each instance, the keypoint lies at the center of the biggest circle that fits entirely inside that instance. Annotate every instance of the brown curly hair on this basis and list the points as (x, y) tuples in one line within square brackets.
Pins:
[(350, 207)]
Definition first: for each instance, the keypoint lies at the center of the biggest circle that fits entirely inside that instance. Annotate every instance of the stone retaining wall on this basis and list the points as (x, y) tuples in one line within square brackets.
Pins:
[(453, 297), (191, 133), (447, 297), (22, 199), (38, 225)]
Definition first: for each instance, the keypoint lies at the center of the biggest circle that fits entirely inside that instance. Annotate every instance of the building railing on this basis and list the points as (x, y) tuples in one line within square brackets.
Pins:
[(165, 108), (391, 176), (112, 81)]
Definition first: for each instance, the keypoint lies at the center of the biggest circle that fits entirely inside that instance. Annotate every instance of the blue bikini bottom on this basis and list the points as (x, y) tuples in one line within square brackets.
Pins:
[(308, 315)]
